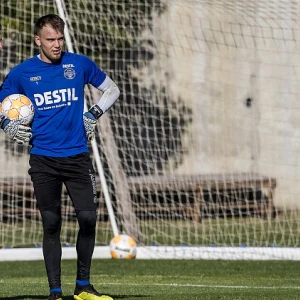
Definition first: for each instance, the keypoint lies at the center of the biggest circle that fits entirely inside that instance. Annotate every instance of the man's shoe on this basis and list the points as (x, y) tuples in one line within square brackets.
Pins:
[(88, 292), (55, 296)]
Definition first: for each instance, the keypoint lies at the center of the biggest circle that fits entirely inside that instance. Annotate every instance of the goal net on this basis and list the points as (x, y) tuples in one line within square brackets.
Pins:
[(202, 149)]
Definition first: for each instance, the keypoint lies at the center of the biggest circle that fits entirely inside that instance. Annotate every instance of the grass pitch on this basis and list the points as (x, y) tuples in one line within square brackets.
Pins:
[(160, 279)]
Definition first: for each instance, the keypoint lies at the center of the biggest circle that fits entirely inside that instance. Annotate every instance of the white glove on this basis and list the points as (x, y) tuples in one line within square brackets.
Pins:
[(19, 133), (90, 120)]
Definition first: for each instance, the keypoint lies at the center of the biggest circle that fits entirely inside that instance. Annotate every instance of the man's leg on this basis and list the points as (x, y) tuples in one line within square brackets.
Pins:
[(81, 186), (85, 244), (47, 189), (51, 246)]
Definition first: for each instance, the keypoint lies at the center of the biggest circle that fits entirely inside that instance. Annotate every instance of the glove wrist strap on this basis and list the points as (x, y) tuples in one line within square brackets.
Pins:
[(2, 119), (96, 111)]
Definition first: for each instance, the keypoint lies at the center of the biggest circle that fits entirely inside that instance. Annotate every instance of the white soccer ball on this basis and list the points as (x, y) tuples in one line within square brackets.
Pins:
[(123, 246), (17, 106)]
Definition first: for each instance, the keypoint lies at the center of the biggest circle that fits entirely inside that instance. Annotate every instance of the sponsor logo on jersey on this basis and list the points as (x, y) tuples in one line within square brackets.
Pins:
[(69, 73), (67, 66), (36, 78), (56, 98)]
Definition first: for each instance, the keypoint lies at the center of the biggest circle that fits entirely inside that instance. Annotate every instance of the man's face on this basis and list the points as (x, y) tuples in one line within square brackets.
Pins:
[(51, 43)]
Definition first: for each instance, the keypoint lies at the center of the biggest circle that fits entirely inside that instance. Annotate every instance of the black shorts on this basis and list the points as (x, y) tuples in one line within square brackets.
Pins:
[(48, 174)]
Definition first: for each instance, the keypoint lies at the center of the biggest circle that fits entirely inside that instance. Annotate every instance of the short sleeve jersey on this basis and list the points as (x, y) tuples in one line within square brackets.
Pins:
[(57, 93)]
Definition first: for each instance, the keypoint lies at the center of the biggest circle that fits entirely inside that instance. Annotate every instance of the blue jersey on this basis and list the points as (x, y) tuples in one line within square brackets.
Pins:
[(57, 93)]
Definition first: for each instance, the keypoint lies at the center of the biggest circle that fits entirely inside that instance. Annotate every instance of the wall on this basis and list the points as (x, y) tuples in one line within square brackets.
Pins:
[(219, 54)]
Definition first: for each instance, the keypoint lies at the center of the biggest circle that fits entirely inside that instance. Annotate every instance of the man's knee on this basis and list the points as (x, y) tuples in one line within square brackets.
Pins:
[(51, 220), (87, 220)]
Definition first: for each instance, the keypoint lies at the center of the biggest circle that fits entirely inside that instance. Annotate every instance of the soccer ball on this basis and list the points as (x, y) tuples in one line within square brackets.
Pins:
[(122, 246), (17, 106)]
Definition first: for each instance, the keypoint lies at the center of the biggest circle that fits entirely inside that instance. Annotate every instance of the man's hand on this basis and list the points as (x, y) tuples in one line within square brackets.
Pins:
[(19, 133), (90, 120)]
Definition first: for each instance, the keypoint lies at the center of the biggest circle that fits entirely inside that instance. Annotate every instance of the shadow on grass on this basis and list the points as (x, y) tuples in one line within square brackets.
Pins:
[(43, 297)]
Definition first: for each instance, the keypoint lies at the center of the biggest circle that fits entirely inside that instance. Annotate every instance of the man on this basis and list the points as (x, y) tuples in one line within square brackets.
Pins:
[(54, 80)]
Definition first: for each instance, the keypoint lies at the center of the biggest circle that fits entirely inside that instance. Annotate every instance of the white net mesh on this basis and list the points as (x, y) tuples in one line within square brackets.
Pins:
[(204, 133)]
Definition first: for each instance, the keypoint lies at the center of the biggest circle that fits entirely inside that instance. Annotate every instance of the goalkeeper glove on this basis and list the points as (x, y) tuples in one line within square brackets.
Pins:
[(15, 130), (90, 120)]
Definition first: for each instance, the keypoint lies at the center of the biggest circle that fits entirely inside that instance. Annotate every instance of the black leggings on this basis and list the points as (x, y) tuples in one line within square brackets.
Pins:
[(52, 247)]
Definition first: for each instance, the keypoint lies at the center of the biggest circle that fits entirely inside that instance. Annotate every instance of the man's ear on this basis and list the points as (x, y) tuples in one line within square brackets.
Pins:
[(37, 40)]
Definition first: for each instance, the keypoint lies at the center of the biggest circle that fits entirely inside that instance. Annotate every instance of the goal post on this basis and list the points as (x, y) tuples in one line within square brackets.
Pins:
[(199, 156), (62, 13)]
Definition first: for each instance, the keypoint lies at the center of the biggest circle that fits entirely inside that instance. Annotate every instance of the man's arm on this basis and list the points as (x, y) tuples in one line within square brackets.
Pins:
[(17, 132), (14, 129), (110, 95)]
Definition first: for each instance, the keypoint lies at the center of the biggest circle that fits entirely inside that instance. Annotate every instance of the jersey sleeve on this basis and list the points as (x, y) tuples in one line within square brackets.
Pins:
[(93, 74), (11, 84)]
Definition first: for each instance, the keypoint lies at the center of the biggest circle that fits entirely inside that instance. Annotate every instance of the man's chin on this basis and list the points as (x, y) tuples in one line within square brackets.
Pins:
[(56, 58)]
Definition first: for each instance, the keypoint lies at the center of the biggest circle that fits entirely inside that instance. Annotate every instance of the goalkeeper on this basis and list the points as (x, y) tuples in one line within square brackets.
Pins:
[(54, 80)]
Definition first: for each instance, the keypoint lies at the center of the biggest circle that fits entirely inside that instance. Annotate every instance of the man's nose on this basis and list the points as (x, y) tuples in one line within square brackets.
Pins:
[(56, 43)]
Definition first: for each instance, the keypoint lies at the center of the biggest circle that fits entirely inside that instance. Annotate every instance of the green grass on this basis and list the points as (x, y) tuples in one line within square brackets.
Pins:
[(282, 231), (161, 279)]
